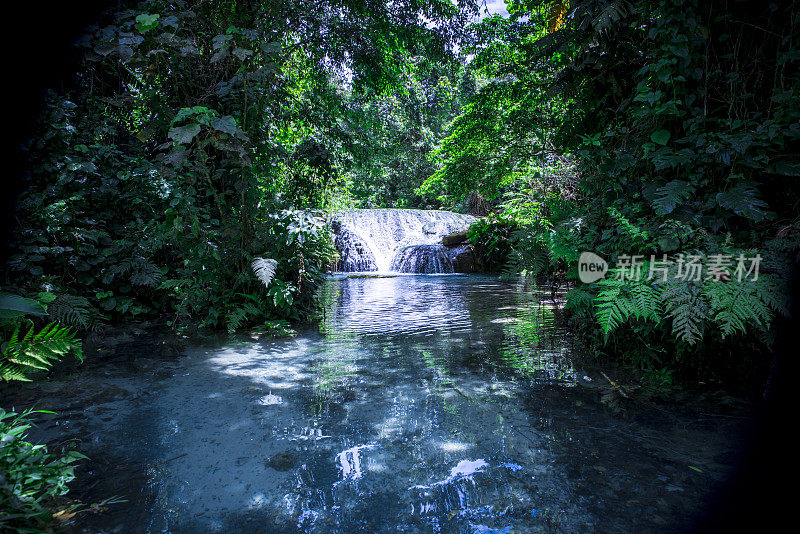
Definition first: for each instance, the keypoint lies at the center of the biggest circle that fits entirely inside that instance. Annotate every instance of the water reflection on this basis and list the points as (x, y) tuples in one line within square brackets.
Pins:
[(424, 404), (393, 305)]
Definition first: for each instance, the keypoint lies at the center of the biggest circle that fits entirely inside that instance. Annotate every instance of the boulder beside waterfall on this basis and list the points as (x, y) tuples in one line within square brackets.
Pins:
[(452, 240), (463, 259)]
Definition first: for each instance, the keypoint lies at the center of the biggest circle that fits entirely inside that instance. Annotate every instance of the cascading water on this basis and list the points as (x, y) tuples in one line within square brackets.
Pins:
[(399, 240), (425, 259)]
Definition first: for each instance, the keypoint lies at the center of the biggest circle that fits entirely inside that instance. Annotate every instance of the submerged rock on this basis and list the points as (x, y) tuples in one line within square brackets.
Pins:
[(282, 461)]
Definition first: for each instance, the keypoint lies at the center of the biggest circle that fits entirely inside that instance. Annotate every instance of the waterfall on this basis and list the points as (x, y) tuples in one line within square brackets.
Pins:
[(425, 259), (400, 240)]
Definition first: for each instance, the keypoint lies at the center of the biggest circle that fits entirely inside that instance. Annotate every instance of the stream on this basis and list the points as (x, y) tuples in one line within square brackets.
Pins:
[(423, 403)]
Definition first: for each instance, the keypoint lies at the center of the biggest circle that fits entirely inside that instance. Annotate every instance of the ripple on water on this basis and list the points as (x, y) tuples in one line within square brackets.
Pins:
[(423, 405)]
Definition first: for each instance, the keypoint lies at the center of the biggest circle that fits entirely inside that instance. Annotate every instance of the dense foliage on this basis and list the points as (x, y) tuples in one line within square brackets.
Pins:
[(31, 478), (199, 136), (188, 170), (643, 129)]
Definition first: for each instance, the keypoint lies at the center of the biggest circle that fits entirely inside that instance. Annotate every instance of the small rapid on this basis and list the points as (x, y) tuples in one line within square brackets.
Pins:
[(396, 240)]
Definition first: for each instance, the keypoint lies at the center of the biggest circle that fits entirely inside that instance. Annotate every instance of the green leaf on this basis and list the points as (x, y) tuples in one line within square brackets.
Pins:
[(242, 53), (12, 306), (147, 22), (660, 137), (220, 41), (183, 135), (670, 195), (46, 297), (185, 113), (226, 124), (743, 200)]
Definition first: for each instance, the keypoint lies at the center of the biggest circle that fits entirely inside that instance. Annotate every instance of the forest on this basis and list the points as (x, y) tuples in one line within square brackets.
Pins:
[(185, 177)]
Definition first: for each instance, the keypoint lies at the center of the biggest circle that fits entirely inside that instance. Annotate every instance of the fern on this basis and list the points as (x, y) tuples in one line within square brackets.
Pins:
[(773, 292), (620, 300), (264, 270), (635, 233), (36, 351), (735, 306), (613, 308), (579, 301), (528, 252), (235, 318), (140, 270), (173, 283), (145, 273), (75, 311), (646, 302), (687, 306)]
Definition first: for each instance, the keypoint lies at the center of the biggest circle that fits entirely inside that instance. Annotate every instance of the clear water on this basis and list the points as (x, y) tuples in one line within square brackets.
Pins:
[(424, 404)]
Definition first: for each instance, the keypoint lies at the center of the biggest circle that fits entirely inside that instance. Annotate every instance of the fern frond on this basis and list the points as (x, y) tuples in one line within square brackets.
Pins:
[(613, 308), (172, 283), (579, 301), (37, 350), (264, 269), (142, 272), (75, 311), (774, 292), (646, 301), (620, 300), (235, 318), (145, 273), (734, 306), (10, 372), (687, 307)]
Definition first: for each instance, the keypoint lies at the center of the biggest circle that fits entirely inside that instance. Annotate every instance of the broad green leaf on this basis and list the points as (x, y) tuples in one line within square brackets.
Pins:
[(220, 41), (226, 124), (147, 22), (183, 135), (15, 306), (242, 53), (46, 297), (660, 137)]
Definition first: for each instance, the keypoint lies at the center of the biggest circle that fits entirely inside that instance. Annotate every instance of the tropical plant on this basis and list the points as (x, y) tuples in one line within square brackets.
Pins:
[(157, 170), (31, 478), (26, 350), (667, 128)]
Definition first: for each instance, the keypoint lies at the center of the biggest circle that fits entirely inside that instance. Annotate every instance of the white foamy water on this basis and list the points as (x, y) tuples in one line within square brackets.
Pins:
[(369, 239)]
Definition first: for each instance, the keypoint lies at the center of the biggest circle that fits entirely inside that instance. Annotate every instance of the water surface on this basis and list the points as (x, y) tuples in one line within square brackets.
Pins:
[(423, 404)]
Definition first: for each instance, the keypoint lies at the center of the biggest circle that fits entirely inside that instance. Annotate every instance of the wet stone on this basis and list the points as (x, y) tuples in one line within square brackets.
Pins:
[(282, 461)]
